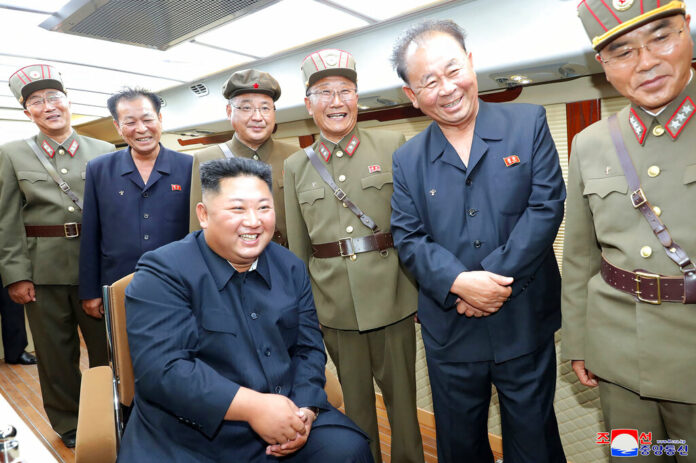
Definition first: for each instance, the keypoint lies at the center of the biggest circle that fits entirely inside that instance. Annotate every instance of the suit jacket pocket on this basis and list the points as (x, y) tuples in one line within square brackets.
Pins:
[(690, 174), (376, 180), (309, 196), (603, 186), (31, 176), (219, 321)]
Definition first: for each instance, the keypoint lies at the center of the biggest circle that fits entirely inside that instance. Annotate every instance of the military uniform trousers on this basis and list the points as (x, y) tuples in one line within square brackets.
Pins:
[(53, 320), (624, 409), (526, 386), (14, 333), (388, 354)]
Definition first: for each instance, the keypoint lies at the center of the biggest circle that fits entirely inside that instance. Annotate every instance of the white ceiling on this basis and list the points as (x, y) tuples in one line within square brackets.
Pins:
[(92, 69)]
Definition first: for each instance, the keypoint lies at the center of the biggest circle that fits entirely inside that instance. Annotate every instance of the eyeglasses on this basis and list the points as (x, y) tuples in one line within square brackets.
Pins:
[(249, 110), (661, 43), (345, 94), (52, 99)]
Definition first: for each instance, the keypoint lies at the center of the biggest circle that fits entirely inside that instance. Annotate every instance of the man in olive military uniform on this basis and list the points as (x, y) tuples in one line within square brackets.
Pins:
[(250, 96), (629, 287), (40, 239), (364, 300)]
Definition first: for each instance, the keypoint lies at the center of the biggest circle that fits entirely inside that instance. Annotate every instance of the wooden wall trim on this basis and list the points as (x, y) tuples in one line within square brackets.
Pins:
[(579, 115)]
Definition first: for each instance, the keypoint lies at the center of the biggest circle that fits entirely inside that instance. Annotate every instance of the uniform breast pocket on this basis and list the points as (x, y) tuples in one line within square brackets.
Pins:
[(377, 180), (309, 197), (32, 184), (690, 175), (288, 321), (603, 187), (608, 202), (218, 330)]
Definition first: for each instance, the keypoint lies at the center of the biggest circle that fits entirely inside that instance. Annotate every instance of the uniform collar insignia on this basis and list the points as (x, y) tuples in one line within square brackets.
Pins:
[(48, 149), (72, 149), (637, 126), (324, 151), (352, 145), (680, 118)]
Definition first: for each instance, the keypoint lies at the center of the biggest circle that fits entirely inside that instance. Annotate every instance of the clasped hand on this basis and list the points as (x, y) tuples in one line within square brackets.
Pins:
[(481, 293)]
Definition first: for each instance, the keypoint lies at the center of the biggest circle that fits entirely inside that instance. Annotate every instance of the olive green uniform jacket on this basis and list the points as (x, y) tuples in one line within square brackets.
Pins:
[(271, 152), (29, 196), (649, 349), (373, 290)]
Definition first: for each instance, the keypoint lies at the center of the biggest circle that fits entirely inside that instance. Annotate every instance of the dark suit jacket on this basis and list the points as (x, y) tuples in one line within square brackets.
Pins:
[(124, 218), (448, 218), (197, 331)]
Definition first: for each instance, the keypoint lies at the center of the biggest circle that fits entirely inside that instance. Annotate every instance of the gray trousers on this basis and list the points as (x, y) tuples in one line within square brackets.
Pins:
[(53, 320), (388, 355), (624, 409)]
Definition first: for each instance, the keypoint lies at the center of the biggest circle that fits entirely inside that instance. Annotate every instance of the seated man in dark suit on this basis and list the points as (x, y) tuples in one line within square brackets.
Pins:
[(227, 352)]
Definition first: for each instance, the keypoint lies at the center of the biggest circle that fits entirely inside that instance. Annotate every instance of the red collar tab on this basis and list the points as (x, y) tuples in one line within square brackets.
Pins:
[(47, 149), (72, 149), (511, 160), (680, 118), (352, 145), (324, 151), (637, 126)]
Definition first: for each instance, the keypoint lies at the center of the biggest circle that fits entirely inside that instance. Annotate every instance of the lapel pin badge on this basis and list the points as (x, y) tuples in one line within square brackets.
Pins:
[(176, 187), (511, 160)]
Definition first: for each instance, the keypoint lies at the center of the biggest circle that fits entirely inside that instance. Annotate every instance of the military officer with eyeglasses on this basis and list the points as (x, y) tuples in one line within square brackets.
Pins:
[(629, 282), (40, 239), (364, 300), (251, 97)]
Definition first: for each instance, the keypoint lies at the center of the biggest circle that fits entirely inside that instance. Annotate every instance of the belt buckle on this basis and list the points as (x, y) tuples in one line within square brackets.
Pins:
[(638, 198), (645, 275), (70, 230), (340, 194), (348, 253)]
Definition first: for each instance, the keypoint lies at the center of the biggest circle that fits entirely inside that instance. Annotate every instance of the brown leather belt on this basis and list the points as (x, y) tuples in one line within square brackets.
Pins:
[(645, 286), (67, 230), (348, 247)]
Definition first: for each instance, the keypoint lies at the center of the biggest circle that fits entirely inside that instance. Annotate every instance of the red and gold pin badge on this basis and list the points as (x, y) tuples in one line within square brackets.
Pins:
[(511, 160), (374, 168), (176, 187)]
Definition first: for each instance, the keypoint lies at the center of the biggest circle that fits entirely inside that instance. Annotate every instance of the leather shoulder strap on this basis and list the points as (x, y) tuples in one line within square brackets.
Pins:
[(640, 201), (226, 150), (62, 184), (339, 193)]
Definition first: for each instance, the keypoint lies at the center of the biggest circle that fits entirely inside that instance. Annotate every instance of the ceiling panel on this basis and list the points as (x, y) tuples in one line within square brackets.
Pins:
[(285, 25), (385, 9)]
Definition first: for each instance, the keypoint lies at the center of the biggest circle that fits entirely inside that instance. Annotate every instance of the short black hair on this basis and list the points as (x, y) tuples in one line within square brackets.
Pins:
[(417, 32), (213, 172), (130, 94)]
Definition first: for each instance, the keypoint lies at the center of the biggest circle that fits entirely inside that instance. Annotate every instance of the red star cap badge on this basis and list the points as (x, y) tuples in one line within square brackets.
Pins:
[(256, 85)]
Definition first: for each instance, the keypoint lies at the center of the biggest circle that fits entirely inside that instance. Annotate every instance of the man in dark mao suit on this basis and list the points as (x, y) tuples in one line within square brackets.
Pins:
[(136, 199), (478, 199), (227, 352)]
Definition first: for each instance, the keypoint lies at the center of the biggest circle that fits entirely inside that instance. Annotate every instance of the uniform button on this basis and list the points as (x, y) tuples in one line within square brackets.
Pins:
[(349, 229), (339, 154), (341, 178), (658, 130), (254, 315), (267, 353), (146, 237), (477, 244), (473, 212), (61, 151), (345, 205), (645, 252), (71, 209), (353, 257), (653, 171), (468, 182), (146, 216), (146, 194), (64, 170), (658, 211), (255, 157), (278, 389)]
